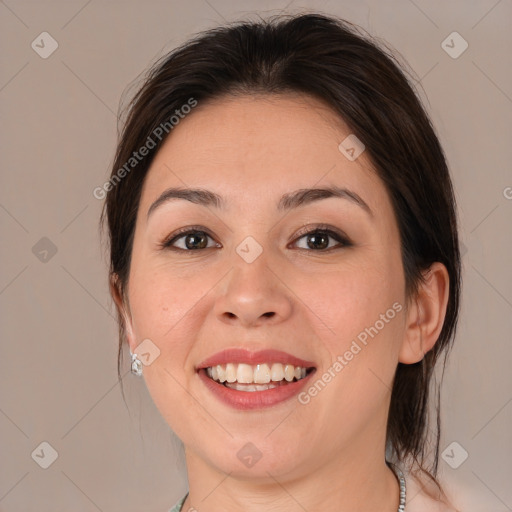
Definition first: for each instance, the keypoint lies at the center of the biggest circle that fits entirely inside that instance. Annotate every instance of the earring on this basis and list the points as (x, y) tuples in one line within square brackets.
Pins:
[(136, 365)]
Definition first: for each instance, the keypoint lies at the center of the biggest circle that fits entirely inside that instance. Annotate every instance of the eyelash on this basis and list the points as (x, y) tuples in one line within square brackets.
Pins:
[(325, 229)]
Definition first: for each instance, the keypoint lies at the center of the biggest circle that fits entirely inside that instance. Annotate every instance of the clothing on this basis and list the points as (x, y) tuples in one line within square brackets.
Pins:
[(179, 505)]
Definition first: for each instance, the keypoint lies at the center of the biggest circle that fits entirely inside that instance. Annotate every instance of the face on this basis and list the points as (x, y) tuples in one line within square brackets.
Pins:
[(320, 280)]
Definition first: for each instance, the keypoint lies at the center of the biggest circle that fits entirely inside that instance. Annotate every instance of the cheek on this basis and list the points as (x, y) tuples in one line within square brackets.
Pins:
[(343, 302), (153, 305), (164, 309), (358, 317), (169, 305), (157, 304), (357, 313)]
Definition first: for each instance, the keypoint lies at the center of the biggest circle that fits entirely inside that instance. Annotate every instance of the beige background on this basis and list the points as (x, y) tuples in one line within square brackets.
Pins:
[(58, 354)]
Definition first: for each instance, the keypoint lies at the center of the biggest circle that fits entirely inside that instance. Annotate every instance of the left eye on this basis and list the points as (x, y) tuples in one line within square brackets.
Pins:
[(319, 239)]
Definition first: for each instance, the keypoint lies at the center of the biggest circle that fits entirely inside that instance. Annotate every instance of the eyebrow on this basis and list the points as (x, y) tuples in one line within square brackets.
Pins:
[(287, 202)]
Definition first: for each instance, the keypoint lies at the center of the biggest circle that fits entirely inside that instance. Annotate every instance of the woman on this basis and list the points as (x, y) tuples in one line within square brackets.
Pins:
[(285, 266)]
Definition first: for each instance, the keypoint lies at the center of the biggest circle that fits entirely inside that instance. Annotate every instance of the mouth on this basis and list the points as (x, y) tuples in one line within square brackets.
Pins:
[(249, 380)]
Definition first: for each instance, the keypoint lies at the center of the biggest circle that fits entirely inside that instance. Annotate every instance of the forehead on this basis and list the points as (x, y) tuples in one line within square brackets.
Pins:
[(253, 149)]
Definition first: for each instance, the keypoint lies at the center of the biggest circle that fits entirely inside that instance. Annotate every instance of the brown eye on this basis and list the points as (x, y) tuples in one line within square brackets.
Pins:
[(193, 239), (196, 240), (319, 239)]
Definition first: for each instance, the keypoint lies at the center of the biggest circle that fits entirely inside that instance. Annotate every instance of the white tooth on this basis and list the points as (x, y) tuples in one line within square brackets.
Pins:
[(221, 373), (252, 387), (244, 373), (277, 372), (258, 374), (262, 374), (289, 372), (230, 372)]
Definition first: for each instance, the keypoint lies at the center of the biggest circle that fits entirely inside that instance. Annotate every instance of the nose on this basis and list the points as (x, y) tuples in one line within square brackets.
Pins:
[(253, 294)]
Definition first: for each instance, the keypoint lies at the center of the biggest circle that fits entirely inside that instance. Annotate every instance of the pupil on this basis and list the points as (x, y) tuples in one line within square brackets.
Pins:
[(192, 237), (322, 238)]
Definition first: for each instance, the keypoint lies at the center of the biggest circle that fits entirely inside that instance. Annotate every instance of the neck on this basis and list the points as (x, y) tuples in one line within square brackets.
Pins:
[(359, 484)]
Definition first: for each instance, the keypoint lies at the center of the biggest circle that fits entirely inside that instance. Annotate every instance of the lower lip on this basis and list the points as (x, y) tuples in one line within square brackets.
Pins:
[(253, 399)]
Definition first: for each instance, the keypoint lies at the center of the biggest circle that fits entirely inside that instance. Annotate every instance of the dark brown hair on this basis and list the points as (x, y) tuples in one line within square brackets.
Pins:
[(364, 83)]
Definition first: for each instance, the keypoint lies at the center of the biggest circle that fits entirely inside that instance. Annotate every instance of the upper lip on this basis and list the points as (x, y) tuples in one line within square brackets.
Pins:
[(240, 355)]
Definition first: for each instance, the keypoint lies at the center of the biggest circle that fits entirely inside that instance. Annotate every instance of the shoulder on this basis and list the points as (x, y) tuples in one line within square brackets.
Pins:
[(423, 497)]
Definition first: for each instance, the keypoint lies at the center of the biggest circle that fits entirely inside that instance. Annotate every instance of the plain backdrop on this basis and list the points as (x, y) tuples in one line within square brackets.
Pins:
[(58, 381)]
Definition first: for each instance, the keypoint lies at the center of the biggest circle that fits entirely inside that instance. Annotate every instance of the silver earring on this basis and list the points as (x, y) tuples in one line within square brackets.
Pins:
[(136, 365)]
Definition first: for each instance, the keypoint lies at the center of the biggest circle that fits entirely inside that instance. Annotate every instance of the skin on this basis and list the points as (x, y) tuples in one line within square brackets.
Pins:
[(328, 454)]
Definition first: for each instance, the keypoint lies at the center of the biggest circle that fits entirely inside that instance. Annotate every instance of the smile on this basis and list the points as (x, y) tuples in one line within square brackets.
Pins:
[(260, 377)]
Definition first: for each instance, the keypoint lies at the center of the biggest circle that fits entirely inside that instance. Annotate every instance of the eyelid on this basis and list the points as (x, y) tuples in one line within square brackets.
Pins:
[(324, 228)]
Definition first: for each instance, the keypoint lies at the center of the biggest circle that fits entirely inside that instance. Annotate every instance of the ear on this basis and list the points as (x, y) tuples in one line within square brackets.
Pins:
[(123, 309), (425, 315)]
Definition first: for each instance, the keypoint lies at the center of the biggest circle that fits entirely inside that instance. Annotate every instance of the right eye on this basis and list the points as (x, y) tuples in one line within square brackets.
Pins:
[(193, 239)]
